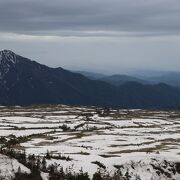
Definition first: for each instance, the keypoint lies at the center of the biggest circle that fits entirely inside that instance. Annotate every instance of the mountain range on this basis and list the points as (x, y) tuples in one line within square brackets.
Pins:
[(26, 82), (169, 78)]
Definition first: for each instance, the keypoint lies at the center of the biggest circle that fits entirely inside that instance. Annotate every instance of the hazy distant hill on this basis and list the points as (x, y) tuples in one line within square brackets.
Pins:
[(172, 79), (91, 75), (121, 79), (25, 82)]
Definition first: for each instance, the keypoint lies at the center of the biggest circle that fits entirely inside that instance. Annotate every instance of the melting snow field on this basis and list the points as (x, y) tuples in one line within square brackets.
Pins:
[(134, 141)]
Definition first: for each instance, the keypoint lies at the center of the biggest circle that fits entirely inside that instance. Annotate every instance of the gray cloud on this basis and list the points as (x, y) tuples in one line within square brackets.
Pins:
[(111, 36), (81, 17)]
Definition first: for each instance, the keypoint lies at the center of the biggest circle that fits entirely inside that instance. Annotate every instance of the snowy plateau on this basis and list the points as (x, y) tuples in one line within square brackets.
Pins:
[(137, 144)]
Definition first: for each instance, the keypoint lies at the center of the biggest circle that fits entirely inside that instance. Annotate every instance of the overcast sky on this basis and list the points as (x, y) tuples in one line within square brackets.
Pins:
[(111, 36)]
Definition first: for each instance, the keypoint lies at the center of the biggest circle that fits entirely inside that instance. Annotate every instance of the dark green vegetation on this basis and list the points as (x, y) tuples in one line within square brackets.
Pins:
[(25, 82)]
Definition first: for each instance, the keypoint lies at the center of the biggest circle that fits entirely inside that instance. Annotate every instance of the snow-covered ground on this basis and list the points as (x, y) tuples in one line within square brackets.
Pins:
[(130, 139), (8, 168)]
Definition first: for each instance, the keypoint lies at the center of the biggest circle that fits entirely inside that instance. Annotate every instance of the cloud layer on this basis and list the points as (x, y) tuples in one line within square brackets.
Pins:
[(97, 35), (90, 17)]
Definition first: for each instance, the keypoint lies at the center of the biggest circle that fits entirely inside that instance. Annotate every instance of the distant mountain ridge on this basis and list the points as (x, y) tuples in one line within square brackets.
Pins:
[(170, 78), (25, 82), (118, 79), (91, 75)]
